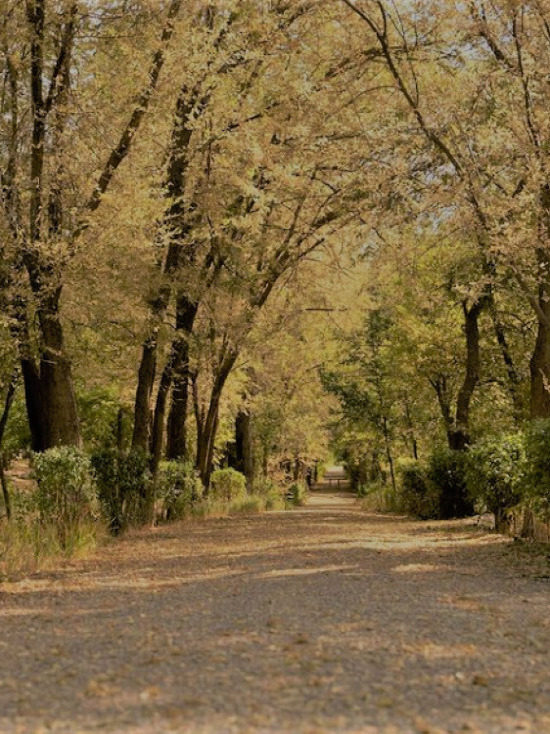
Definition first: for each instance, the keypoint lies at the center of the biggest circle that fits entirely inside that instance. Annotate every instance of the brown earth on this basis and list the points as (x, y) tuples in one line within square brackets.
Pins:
[(319, 620)]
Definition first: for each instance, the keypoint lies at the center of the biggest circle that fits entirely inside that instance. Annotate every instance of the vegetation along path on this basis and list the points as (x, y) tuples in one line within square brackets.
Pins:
[(324, 619)]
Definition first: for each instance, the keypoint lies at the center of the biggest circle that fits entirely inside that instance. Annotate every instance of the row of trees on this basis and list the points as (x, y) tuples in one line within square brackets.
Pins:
[(177, 180), (168, 162)]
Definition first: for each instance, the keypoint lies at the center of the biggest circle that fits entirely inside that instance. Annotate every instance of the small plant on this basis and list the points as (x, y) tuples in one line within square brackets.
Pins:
[(248, 505), (124, 486), (178, 488), (496, 476), (227, 485), (296, 494), (380, 497), (447, 473), (102, 418), (419, 497), (272, 494), (65, 496)]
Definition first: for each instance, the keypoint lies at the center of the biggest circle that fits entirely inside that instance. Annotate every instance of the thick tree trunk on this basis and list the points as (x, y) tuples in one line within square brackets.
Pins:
[(512, 376), (33, 403), (8, 401), (244, 447), (540, 359), (208, 436), (144, 392), (56, 383), (176, 434), (205, 449), (49, 387), (157, 433), (540, 362), (458, 426), (49, 390), (176, 444)]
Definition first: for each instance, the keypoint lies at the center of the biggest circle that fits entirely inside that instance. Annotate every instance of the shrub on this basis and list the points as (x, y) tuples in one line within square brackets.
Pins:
[(178, 487), (247, 505), (447, 472), (227, 485), (380, 497), (124, 486), (100, 412), (296, 494), (65, 495), (496, 476), (17, 438), (419, 496), (272, 494)]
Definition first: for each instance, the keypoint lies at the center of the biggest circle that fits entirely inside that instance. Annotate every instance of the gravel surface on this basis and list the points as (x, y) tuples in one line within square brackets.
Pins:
[(319, 620)]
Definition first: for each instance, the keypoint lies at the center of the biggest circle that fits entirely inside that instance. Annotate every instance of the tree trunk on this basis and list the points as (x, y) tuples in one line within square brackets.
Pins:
[(411, 431), (205, 449), (389, 455), (5, 488), (60, 415), (512, 375), (540, 362), (8, 401), (461, 437), (540, 359), (144, 392), (159, 414), (208, 437), (53, 416), (49, 391), (33, 403), (176, 444), (244, 447), (458, 426)]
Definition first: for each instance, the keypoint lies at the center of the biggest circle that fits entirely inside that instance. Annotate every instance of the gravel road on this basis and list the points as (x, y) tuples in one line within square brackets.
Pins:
[(319, 620)]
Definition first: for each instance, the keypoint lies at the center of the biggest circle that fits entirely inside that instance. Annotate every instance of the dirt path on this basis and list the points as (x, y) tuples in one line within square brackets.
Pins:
[(317, 620)]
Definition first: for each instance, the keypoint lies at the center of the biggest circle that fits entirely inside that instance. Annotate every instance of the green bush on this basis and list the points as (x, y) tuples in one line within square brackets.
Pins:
[(124, 486), (17, 438), (496, 475), (247, 505), (447, 473), (99, 410), (179, 488), (272, 494), (296, 494), (65, 496), (537, 454), (419, 496), (380, 497), (227, 485)]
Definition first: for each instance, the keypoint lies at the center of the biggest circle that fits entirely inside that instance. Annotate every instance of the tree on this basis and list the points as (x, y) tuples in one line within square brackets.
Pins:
[(46, 75)]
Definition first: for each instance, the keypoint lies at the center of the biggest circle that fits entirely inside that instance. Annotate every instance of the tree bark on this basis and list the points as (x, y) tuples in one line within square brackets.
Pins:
[(176, 441), (244, 447), (159, 414), (49, 389), (461, 437), (540, 359), (8, 401), (457, 426), (512, 375), (205, 449), (56, 383), (144, 392)]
